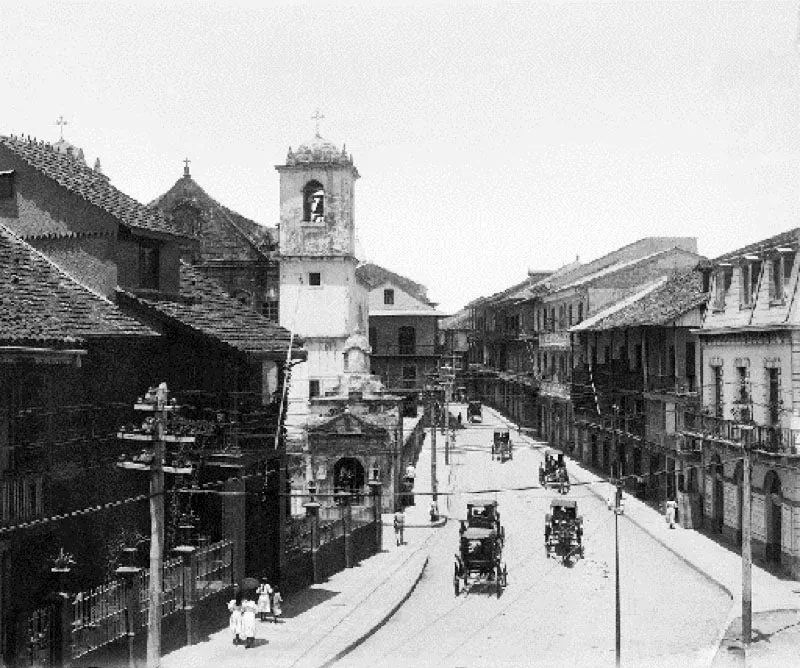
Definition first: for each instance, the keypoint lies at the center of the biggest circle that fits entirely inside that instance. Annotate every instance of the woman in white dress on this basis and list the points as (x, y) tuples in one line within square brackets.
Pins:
[(249, 609), (235, 622), (277, 611), (264, 592)]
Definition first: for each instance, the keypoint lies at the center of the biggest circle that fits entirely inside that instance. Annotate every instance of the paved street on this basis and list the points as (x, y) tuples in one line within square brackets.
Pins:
[(550, 615)]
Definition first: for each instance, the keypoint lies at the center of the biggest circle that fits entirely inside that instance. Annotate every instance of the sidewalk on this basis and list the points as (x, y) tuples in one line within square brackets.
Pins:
[(324, 622), (776, 601)]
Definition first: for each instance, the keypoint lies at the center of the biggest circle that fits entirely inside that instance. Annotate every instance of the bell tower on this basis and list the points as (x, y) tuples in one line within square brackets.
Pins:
[(321, 298)]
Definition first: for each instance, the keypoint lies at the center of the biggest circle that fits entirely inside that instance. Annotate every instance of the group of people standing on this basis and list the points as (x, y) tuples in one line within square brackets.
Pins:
[(244, 609)]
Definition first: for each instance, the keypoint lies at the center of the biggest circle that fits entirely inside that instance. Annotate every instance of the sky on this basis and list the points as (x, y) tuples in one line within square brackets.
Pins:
[(491, 138)]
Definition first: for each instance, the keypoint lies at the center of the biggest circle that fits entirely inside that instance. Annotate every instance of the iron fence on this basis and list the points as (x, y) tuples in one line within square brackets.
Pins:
[(98, 617), (214, 568)]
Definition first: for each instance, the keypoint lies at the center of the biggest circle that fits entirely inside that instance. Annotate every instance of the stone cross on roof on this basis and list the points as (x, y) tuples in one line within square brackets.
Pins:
[(186, 162), (317, 117), (62, 123)]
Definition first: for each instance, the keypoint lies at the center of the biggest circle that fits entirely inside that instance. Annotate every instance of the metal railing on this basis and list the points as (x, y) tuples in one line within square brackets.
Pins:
[(761, 437), (214, 568), (98, 617)]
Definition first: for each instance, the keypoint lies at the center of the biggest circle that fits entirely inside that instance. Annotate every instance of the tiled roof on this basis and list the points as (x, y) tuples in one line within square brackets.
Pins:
[(458, 320), (680, 293), (92, 186), (374, 276), (40, 303), (204, 307), (225, 234)]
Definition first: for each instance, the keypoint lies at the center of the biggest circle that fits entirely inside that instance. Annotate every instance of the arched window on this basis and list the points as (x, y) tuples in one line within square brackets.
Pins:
[(313, 202), (407, 340)]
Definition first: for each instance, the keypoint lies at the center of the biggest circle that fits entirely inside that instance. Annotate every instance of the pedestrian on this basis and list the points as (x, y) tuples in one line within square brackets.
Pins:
[(235, 621), (434, 510), (459, 418), (399, 525), (264, 592), (249, 609), (672, 507), (277, 610)]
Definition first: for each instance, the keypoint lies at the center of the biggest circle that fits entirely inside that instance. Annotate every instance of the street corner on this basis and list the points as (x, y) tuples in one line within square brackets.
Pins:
[(776, 637)]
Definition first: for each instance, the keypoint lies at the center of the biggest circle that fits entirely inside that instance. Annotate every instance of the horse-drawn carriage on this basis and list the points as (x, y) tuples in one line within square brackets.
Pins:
[(501, 445), (563, 530), (480, 556), (474, 411), (553, 472)]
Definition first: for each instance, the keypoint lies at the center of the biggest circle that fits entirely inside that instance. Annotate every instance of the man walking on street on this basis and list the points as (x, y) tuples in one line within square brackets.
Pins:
[(399, 525), (671, 508)]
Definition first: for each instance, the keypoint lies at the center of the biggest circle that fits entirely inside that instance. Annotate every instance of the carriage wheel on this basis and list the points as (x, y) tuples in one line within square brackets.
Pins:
[(546, 551), (504, 576), (456, 581)]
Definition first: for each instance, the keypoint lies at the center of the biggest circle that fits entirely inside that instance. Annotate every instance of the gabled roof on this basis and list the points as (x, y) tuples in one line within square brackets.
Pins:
[(92, 186), (347, 423), (374, 276), (41, 303), (226, 233), (204, 307), (458, 320), (658, 304)]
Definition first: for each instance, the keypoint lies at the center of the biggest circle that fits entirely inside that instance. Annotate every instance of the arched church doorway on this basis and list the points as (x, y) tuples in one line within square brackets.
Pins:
[(773, 502), (348, 477)]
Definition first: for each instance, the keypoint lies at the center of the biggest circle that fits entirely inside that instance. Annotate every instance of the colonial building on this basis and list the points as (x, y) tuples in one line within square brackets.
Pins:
[(635, 373), (97, 307), (750, 341), (403, 326), (322, 297), (238, 253), (575, 295)]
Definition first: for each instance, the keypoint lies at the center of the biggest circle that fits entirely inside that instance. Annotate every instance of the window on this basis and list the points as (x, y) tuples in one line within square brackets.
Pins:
[(149, 260), (742, 389), (569, 316), (313, 388), (269, 310), (750, 272), (580, 312), (388, 296), (373, 339), (315, 278), (781, 270), (409, 376), (7, 184), (407, 340), (314, 202), (717, 389), (722, 285), (774, 395)]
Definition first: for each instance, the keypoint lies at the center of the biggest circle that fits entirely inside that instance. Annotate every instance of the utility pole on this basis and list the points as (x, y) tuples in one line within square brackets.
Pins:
[(747, 554), (617, 512), (434, 485), (156, 537)]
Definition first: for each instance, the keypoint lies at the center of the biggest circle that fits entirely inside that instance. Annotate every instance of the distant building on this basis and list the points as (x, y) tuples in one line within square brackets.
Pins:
[(238, 253), (403, 331)]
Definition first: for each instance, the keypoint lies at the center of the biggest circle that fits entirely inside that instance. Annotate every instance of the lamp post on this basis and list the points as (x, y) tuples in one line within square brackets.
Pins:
[(617, 513), (747, 554)]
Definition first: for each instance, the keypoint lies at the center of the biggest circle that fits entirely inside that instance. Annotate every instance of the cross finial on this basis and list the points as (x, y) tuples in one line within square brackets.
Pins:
[(186, 162), (317, 117), (62, 123)]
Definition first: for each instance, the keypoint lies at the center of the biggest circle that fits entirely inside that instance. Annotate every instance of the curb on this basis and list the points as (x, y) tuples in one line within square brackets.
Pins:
[(381, 622)]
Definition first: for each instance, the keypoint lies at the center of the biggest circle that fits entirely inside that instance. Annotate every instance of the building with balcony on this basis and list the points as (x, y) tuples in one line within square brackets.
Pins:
[(750, 341), (403, 332), (579, 292), (635, 376)]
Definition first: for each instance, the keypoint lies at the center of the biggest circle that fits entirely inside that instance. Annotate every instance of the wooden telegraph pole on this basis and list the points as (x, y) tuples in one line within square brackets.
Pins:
[(434, 484), (617, 512)]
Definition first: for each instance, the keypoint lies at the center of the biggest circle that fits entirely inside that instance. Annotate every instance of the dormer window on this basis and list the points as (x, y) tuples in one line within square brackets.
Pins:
[(722, 285), (750, 272), (314, 202), (7, 184), (781, 271), (388, 297)]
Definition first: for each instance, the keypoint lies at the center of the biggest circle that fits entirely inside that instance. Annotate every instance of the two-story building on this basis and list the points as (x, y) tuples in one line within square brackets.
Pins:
[(750, 343)]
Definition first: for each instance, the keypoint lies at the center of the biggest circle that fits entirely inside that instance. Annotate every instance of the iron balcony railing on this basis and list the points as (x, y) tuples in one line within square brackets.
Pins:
[(761, 437)]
